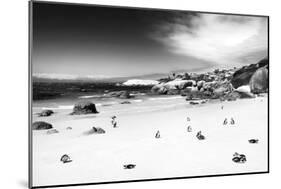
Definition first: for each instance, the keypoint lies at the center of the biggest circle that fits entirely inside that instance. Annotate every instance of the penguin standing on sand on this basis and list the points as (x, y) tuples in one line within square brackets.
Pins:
[(225, 122), (239, 158), (113, 121), (200, 136), (232, 122), (129, 166), (65, 158), (157, 134)]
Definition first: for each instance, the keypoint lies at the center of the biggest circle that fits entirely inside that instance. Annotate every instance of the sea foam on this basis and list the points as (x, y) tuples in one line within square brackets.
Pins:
[(89, 96)]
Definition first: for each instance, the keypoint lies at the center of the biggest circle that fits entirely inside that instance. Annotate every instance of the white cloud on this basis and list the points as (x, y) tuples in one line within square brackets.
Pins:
[(221, 39)]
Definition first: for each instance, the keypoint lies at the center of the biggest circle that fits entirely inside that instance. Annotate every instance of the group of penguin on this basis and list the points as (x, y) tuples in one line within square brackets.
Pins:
[(189, 129), (238, 158)]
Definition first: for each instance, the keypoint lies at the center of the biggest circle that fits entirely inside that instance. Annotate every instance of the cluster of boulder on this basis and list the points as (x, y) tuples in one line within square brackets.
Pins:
[(80, 108), (220, 84)]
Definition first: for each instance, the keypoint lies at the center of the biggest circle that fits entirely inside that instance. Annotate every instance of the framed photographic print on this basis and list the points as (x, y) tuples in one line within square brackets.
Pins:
[(122, 94)]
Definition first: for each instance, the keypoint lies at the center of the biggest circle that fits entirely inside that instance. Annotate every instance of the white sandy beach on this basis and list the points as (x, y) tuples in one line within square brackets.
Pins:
[(178, 153)]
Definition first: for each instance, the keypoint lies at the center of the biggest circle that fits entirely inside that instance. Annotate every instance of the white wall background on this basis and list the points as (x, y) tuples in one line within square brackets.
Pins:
[(14, 87)]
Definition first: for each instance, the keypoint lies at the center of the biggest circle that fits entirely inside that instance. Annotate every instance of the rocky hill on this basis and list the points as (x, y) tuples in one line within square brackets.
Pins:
[(218, 84)]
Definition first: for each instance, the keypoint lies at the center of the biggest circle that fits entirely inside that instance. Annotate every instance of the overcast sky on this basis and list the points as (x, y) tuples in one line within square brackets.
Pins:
[(72, 40)]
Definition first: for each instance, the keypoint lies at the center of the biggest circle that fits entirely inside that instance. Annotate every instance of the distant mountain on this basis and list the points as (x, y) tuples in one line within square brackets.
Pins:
[(63, 78), (72, 78)]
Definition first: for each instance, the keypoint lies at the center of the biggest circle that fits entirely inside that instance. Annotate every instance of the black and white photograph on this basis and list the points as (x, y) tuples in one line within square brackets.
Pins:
[(122, 94)]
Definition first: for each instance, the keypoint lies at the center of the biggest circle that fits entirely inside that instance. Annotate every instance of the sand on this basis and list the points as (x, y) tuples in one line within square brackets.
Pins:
[(177, 153)]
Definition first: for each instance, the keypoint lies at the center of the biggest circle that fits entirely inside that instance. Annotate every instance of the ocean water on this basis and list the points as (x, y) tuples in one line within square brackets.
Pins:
[(100, 100), (113, 106), (64, 94), (67, 95)]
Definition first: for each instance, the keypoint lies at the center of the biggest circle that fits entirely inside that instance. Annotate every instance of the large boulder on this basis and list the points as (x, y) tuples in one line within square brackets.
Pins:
[(84, 108), (197, 95), (163, 90), (45, 113), (172, 87), (173, 92), (188, 90), (52, 131), (187, 83), (209, 86), (125, 102), (208, 90), (243, 89), (240, 92), (244, 74), (246, 95), (41, 125), (195, 76), (179, 84), (234, 95), (200, 84), (125, 95), (156, 88), (259, 81), (216, 89), (222, 88), (159, 89)]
